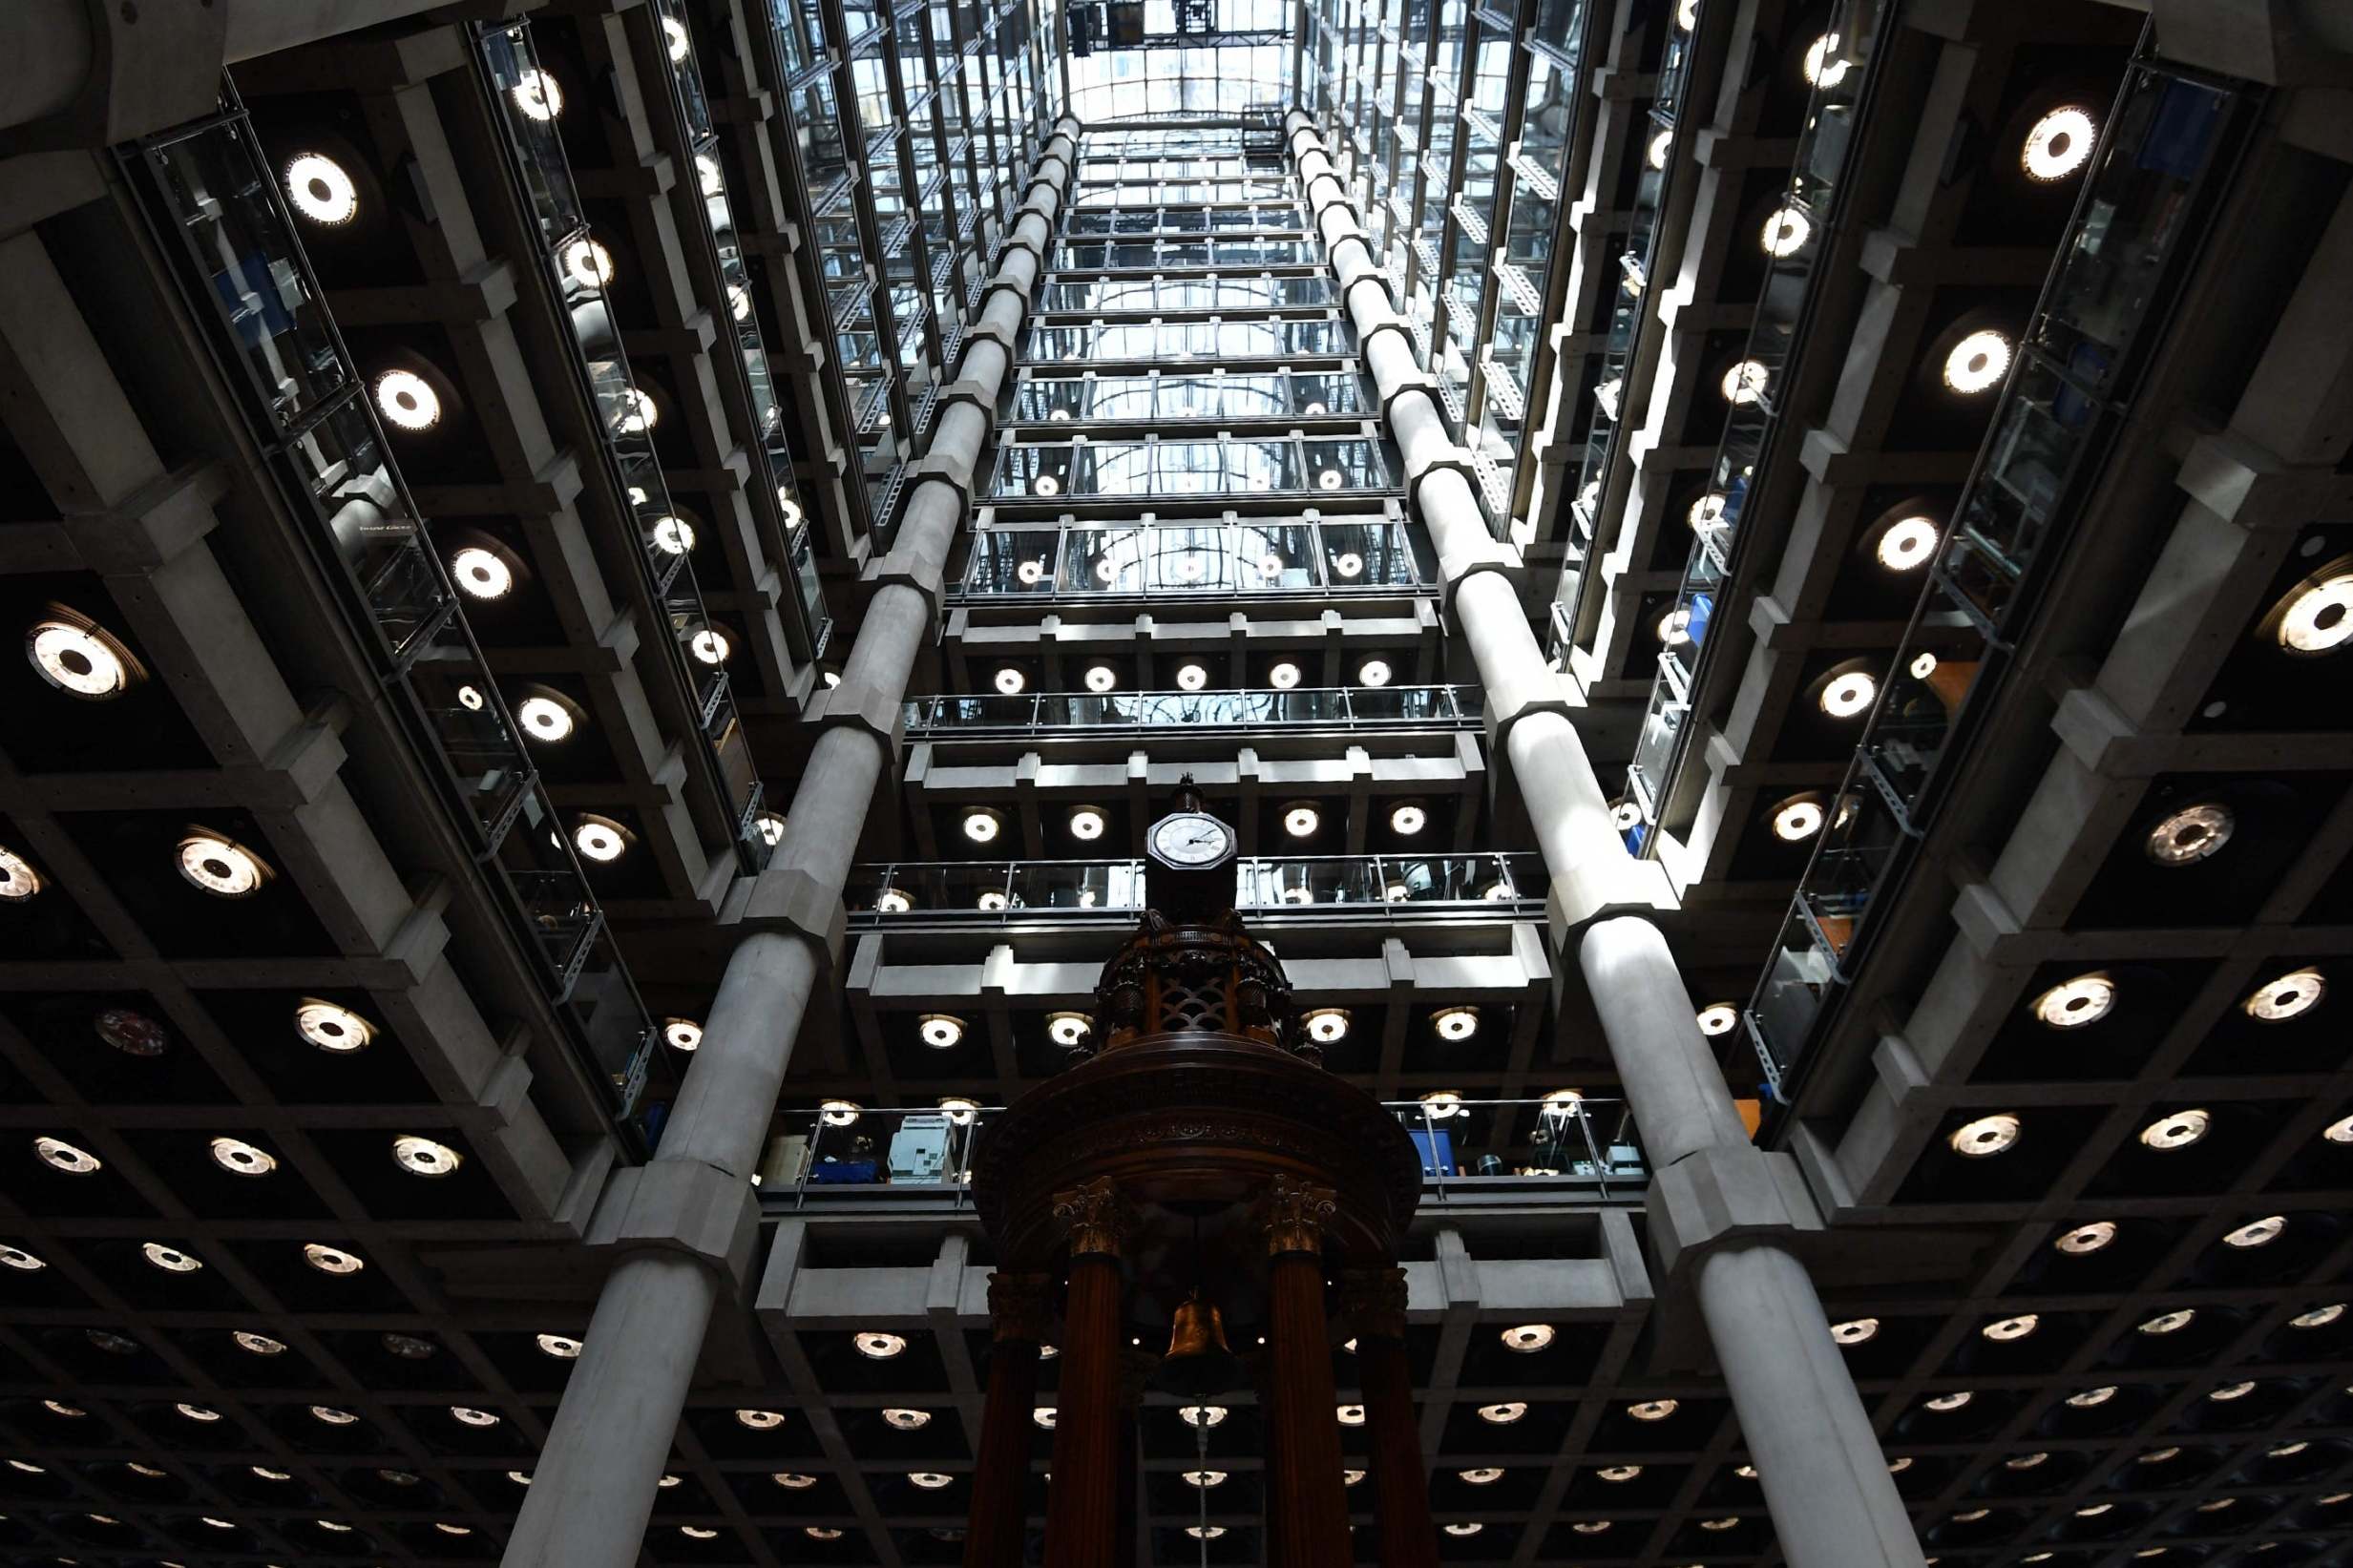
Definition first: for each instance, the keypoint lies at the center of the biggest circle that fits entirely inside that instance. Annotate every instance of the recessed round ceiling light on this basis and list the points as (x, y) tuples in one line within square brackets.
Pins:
[(2318, 619), (1503, 1414), (1971, 1516), (673, 535), (330, 1260), (682, 1033), (1744, 383), (1923, 667), (198, 1412), (170, 1259), (760, 1420), (2058, 144), (2087, 1238), (2257, 1232), (321, 189), (2289, 996), (1030, 573), (2339, 1131), (2025, 1461), (59, 1155), (1350, 1477), (562, 1346), (1945, 1402), (600, 839), (1348, 563), (674, 35), (1796, 819), (709, 645), (821, 1532), (1786, 232), (239, 1158), (2168, 1322), (1205, 1479), (930, 1480), (1408, 819), (1438, 1104), (940, 1031), (1010, 681), (1653, 1409), (219, 867), (408, 400), (792, 1480), (1455, 1023), (1349, 1415), (1201, 1415), (1528, 1338), (539, 95), (467, 1415), (1042, 1416), (1373, 672), (1726, 1523), (1301, 821), (1484, 1475), (1283, 677), (2003, 1330), (982, 826), (838, 1113), (1660, 146), (906, 1420), (1986, 1134), (1907, 542), (2320, 1317), (1978, 361), (644, 413), (588, 264), (1334, 479), (1854, 1330), (2072, 1004), (878, 1346), (423, 1156), (961, 1111), (1068, 1028), (2091, 1397), (1716, 1018), (1706, 512), (481, 573), (1822, 66), (1463, 1527), (328, 1416), (1590, 1527), (892, 901), (78, 659), (18, 880), (2176, 1130), (1191, 677), (1848, 695), (2232, 1391), (2191, 834), (2287, 1451), (1048, 485), (544, 717), (1326, 1025), (19, 1259), (470, 698), (1618, 1472), (1674, 628), (1101, 677), (331, 1026)]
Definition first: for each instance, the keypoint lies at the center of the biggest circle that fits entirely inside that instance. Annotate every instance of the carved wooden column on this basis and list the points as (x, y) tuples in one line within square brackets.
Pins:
[(1373, 1302), (1307, 1509), (1000, 1472), (1082, 1500)]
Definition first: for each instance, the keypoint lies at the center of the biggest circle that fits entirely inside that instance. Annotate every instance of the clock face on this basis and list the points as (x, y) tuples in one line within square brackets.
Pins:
[(1192, 840)]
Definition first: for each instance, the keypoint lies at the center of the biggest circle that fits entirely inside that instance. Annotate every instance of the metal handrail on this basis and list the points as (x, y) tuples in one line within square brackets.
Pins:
[(1360, 886), (1302, 707)]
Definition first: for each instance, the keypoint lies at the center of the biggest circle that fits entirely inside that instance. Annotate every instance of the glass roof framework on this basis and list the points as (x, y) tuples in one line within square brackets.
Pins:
[(1246, 61)]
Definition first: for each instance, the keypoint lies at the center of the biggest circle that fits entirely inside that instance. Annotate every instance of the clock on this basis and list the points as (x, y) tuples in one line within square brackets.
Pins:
[(1192, 840)]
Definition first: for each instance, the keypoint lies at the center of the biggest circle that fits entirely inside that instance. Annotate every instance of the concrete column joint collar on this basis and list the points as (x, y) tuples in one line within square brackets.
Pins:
[(789, 899), (977, 395), (681, 1205), (1420, 382), (1723, 1196), (1001, 336)]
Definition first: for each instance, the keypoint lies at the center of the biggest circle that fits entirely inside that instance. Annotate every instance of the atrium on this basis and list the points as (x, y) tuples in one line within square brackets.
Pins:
[(1750, 601)]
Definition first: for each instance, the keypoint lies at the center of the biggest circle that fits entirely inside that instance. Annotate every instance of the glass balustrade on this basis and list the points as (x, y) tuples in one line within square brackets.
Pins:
[(1111, 342), (1311, 707), (1378, 885), (1158, 468), (1217, 291), (1172, 559), (1167, 396)]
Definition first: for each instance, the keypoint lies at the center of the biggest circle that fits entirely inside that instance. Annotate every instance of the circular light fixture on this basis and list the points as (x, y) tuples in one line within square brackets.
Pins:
[(1718, 1018), (1030, 573), (1653, 1409), (960, 1111), (2319, 619), (588, 264), (1907, 542), (470, 698), (219, 867), (1786, 232), (1484, 1475), (1191, 677), (19, 1259), (1200, 1415), (1408, 819), (2320, 1317), (760, 1420), (941, 1031), (1744, 383), (1042, 1416), (1923, 667), (821, 1532), (170, 1259), (792, 1480), (2058, 144), (2087, 1238), (2025, 1461), (1796, 819), (1101, 677), (673, 535), (837, 1113), (1349, 1415), (1618, 1472), (2073, 1004), (330, 1260), (1464, 1527), (1503, 1414), (18, 880), (1301, 821), (930, 1480), (1977, 363), (2004, 1330), (2168, 1322), (2291, 996), (1821, 66), (1331, 479), (408, 399), (328, 1416), (331, 1026), (1854, 1330), (770, 826), (892, 901), (1674, 628), (1848, 695), (2232, 1391), (1048, 485), (1528, 1338), (2257, 1232), (1205, 1479), (544, 717), (1986, 1134), (877, 1345), (562, 1346), (1660, 146), (1283, 677), (1943, 1403), (1327, 1025), (2090, 1398), (466, 1416), (481, 573), (195, 1412), (1348, 563), (321, 189), (239, 1158), (1010, 681), (674, 35), (1706, 512), (538, 94), (1373, 672), (1438, 1104), (1068, 1028), (983, 826), (1455, 1023), (2339, 1131), (423, 1156), (78, 659), (906, 1420), (600, 838), (59, 1155), (2191, 834), (2178, 1131)]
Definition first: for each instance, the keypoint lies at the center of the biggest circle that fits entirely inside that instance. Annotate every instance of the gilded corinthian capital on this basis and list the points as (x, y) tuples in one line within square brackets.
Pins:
[(1094, 1217), (1294, 1215)]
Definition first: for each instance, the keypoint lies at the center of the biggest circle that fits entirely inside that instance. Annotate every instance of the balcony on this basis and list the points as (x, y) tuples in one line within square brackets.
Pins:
[(1345, 708), (1377, 889)]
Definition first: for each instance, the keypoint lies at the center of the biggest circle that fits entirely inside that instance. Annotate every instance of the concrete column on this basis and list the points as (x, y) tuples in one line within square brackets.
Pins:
[(1677, 1092), (1816, 1457), (594, 1485)]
